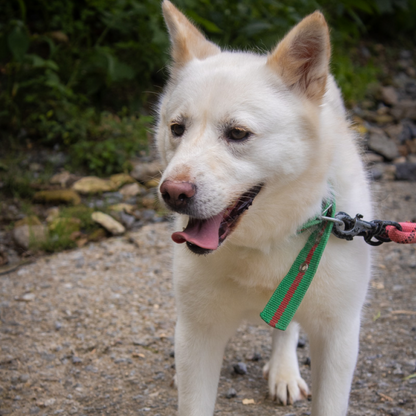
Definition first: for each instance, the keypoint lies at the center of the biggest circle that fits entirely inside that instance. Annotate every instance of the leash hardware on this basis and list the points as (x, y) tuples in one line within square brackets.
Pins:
[(347, 228)]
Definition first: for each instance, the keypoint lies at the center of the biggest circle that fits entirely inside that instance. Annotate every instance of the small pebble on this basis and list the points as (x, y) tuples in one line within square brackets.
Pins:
[(231, 393), (76, 360), (240, 368)]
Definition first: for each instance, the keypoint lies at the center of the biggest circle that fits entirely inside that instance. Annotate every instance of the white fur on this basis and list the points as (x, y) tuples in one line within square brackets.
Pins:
[(299, 147)]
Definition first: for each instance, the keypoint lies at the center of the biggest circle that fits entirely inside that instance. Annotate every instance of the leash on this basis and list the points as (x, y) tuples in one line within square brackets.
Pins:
[(288, 296)]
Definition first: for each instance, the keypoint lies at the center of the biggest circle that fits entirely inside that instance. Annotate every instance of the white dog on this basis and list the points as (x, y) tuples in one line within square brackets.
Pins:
[(239, 128)]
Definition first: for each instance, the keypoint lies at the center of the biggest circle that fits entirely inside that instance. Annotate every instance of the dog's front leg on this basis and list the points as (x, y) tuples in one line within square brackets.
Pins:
[(282, 371), (199, 351), (334, 350)]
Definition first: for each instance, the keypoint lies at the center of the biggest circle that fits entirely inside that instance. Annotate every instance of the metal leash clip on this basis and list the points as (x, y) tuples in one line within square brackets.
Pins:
[(347, 228)]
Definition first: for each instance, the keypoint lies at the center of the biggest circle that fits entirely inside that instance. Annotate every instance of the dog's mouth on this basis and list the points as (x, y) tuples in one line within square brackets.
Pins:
[(204, 236)]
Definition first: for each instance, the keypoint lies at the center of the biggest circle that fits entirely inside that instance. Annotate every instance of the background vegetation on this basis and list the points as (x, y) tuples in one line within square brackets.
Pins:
[(83, 74)]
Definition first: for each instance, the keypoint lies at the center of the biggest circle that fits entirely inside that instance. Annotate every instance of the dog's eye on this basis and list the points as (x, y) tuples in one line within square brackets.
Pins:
[(238, 134), (177, 129)]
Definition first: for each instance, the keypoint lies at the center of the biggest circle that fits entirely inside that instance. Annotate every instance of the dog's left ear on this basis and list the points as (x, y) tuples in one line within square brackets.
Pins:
[(187, 41), (302, 58)]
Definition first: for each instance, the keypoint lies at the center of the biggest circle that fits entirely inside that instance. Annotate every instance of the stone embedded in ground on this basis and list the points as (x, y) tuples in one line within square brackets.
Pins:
[(389, 95), (240, 368), (406, 171), (63, 178), (127, 220), (109, 223), (64, 196), (381, 144), (94, 185), (231, 393), (129, 208), (27, 235), (149, 201), (131, 190), (145, 172), (121, 179)]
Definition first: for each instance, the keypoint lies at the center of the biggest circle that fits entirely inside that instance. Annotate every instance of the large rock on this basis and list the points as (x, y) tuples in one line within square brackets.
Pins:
[(29, 235), (144, 172), (94, 185), (381, 144), (121, 179), (406, 171), (66, 196), (109, 223), (64, 179), (130, 190)]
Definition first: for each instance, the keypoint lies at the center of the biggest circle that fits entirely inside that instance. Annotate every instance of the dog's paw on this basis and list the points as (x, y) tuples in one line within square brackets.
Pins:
[(285, 385)]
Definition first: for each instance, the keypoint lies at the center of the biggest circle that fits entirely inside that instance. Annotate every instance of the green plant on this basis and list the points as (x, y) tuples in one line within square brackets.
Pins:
[(110, 142)]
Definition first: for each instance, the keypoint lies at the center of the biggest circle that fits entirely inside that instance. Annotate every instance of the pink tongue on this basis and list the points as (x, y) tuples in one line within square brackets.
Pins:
[(203, 233)]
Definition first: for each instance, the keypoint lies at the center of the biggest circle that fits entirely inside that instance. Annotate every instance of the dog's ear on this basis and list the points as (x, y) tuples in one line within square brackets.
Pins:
[(302, 57), (187, 41)]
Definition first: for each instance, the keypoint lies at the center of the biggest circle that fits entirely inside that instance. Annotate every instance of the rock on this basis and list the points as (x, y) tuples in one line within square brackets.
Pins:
[(407, 132), (66, 196), (240, 368), (389, 95), (127, 220), (381, 144), (27, 297), (112, 197), (394, 131), (404, 109), (63, 178), (122, 207), (52, 214), (154, 183), (109, 223), (371, 158), (28, 235), (376, 171), (76, 360), (130, 190), (121, 179), (149, 236), (94, 185), (145, 172), (231, 393), (406, 171)]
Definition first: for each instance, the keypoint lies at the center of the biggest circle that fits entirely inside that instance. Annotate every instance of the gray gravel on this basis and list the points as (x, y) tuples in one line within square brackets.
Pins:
[(90, 332)]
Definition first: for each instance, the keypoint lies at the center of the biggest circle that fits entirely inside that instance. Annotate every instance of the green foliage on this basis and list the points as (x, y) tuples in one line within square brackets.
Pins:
[(65, 62), (120, 138)]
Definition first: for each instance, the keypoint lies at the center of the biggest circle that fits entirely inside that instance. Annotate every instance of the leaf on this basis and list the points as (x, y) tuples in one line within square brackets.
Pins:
[(18, 42), (248, 401)]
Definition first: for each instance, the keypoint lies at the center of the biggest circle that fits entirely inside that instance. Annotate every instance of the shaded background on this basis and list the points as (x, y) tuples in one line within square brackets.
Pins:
[(84, 75)]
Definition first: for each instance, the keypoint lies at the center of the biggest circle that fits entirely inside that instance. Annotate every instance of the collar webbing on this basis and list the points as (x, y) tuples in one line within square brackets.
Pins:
[(287, 297)]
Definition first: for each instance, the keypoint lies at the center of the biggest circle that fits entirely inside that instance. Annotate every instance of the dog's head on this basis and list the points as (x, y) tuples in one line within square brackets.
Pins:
[(233, 125)]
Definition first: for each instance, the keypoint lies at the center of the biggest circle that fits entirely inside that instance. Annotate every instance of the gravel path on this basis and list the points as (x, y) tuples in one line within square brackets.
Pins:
[(90, 332)]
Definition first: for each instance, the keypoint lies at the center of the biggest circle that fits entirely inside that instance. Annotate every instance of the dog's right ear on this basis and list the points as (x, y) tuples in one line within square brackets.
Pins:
[(187, 41)]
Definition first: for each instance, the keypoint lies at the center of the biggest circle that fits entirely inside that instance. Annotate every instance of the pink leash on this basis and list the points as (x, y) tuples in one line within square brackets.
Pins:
[(406, 236)]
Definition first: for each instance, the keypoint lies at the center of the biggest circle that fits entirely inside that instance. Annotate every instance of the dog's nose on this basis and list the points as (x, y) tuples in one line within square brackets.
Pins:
[(177, 194)]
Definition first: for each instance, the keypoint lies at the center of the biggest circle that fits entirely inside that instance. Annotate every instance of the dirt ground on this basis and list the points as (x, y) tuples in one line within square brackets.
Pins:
[(90, 332)]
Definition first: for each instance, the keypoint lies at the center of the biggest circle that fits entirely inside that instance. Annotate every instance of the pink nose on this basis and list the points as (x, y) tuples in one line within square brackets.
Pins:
[(177, 194)]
